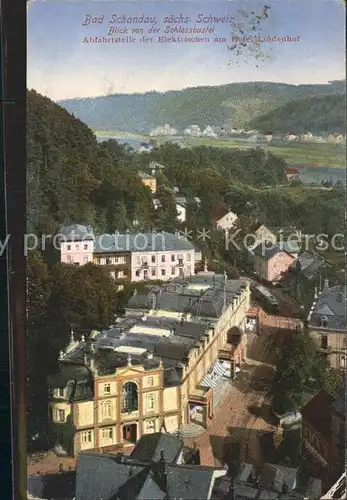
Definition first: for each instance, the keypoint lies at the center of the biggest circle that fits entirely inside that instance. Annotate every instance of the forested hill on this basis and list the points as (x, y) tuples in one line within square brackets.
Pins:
[(235, 104), (71, 177), (314, 114)]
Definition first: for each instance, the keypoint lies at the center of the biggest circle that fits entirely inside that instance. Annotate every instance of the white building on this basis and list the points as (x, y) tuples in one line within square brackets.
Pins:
[(165, 130), (193, 131), (208, 132), (226, 221)]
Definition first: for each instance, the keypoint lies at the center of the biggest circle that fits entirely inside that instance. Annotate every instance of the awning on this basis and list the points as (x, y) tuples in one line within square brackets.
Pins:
[(208, 381), (219, 369)]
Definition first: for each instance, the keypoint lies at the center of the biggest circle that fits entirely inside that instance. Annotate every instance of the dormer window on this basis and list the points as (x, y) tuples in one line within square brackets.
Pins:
[(85, 247), (69, 247), (324, 321)]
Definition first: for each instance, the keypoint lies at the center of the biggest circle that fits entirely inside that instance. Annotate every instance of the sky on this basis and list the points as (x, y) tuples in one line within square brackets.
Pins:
[(60, 65)]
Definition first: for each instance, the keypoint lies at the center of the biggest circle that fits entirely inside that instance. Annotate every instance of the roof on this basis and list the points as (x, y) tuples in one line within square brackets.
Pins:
[(141, 242), (274, 476), (292, 171), (150, 446), (219, 212), (317, 412), (112, 477), (143, 175), (76, 232), (267, 250), (330, 309), (68, 373)]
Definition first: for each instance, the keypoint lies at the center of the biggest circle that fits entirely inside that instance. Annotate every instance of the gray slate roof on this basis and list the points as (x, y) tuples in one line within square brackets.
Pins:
[(330, 311), (139, 476), (150, 446), (76, 232), (267, 250), (141, 242)]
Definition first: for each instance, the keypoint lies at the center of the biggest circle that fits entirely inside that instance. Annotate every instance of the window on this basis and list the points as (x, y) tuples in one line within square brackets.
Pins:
[(163, 272), (102, 261), (172, 258), (153, 272), (150, 381), (107, 433), (149, 426), (129, 397), (343, 361), (77, 246), (61, 415), (61, 393), (189, 269), (86, 437), (120, 288), (69, 247), (137, 272), (163, 258), (85, 247), (138, 260), (344, 341), (120, 274), (85, 260), (107, 388), (150, 402), (145, 275), (108, 260), (189, 257), (106, 410), (70, 259), (153, 259), (173, 271), (113, 274), (76, 263), (324, 342)]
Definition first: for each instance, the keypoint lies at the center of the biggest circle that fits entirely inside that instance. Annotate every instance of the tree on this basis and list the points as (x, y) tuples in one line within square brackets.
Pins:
[(300, 371)]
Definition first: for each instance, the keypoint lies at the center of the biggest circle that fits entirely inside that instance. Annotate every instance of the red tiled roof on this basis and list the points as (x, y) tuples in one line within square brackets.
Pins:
[(292, 171)]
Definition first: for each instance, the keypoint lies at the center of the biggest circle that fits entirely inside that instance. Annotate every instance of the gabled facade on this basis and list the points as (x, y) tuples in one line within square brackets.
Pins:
[(270, 262), (327, 324)]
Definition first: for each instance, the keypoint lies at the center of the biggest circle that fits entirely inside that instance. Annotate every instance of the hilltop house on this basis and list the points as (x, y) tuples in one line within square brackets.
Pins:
[(156, 167), (223, 218), (149, 181), (165, 364), (271, 262), (129, 257), (327, 324)]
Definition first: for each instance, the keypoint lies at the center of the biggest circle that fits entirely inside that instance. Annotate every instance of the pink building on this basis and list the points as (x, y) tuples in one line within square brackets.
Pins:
[(271, 262), (76, 244), (144, 256)]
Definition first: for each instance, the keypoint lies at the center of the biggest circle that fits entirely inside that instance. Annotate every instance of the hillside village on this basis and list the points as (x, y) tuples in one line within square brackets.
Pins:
[(175, 359)]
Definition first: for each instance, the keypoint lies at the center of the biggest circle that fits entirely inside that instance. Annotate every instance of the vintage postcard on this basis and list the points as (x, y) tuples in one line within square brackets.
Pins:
[(186, 179)]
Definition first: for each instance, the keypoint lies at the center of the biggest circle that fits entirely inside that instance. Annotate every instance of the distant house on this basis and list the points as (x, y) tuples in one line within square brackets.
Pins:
[(291, 136), (223, 218), (149, 181), (306, 136), (193, 131), (271, 262), (181, 208), (208, 132), (165, 130), (146, 147), (268, 136), (156, 167), (302, 274), (292, 174)]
